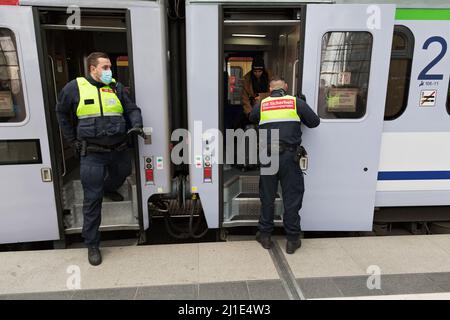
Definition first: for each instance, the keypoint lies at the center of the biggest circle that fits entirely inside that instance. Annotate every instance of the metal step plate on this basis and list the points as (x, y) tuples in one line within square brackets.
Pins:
[(73, 193), (115, 216), (242, 205), (120, 215)]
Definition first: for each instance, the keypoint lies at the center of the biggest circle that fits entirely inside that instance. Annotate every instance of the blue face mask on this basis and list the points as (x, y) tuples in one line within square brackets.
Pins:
[(106, 76)]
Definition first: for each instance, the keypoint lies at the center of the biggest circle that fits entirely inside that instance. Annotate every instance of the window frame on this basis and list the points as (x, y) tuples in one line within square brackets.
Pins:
[(396, 54), (23, 86)]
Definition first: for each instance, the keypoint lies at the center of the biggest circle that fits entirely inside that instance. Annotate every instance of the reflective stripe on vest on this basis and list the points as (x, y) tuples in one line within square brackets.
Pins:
[(89, 105), (278, 109)]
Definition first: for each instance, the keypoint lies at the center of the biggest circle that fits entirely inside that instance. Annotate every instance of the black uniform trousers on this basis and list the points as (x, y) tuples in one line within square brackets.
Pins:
[(292, 186), (100, 172)]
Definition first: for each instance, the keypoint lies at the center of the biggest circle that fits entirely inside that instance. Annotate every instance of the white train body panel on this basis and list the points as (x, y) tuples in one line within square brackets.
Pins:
[(415, 152), (28, 205)]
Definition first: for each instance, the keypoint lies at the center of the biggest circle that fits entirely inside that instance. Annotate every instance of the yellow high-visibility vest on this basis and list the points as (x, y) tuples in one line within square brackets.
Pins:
[(278, 109), (93, 100)]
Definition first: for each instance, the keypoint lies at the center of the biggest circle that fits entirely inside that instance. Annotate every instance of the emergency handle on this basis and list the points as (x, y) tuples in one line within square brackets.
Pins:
[(294, 82), (52, 64)]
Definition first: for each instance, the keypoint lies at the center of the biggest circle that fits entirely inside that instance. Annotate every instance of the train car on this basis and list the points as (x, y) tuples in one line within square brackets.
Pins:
[(376, 74)]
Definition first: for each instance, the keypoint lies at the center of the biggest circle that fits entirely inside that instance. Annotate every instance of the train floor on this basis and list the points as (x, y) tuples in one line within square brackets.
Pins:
[(382, 267)]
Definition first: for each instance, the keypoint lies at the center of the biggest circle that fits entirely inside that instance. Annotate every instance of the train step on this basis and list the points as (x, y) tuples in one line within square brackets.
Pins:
[(242, 205), (246, 207), (73, 192), (116, 215)]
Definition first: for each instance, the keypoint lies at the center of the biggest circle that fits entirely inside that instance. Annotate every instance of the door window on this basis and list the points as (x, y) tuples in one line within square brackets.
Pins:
[(344, 74), (237, 68)]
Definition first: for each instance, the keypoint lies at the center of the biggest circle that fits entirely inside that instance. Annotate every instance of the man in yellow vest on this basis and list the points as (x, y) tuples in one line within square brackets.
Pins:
[(103, 112), (283, 113)]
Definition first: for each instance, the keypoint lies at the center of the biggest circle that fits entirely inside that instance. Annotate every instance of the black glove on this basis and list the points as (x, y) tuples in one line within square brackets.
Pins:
[(302, 96), (76, 145), (137, 129)]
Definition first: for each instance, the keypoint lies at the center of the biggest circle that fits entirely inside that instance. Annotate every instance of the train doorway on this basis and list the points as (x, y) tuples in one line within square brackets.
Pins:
[(272, 38)]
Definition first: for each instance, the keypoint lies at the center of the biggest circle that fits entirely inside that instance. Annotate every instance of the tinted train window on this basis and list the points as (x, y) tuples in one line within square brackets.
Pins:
[(20, 152), (12, 104), (399, 73), (344, 75)]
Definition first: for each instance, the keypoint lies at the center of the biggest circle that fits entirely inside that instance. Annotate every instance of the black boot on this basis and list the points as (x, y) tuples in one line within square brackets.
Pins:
[(114, 196), (291, 246), (94, 256), (264, 240)]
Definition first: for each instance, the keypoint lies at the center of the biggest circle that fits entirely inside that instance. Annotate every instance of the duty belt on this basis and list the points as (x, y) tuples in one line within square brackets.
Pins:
[(289, 147), (92, 147), (282, 147)]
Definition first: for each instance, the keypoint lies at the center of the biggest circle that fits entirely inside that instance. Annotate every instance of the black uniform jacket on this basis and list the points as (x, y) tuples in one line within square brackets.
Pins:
[(103, 130)]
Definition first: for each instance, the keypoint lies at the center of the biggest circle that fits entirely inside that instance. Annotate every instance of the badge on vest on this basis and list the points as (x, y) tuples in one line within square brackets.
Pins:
[(107, 90), (279, 104), (111, 102)]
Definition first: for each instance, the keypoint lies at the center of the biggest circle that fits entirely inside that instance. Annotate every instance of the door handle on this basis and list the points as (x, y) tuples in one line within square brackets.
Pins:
[(52, 64), (294, 83), (46, 174)]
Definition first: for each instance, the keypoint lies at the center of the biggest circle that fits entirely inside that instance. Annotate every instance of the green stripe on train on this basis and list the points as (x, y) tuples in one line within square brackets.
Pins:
[(422, 14)]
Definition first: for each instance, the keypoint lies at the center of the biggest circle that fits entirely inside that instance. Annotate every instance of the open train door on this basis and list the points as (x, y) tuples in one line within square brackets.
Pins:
[(345, 74), (120, 28), (27, 199)]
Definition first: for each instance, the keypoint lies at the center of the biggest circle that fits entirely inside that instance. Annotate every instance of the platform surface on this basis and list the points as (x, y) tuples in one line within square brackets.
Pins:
[(394, 267)]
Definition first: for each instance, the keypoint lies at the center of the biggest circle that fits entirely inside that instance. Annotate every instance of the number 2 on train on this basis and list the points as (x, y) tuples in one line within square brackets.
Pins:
[(423, 74)]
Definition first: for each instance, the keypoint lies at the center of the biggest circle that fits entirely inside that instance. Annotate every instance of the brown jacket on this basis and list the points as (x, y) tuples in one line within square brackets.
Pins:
[(247, 92)]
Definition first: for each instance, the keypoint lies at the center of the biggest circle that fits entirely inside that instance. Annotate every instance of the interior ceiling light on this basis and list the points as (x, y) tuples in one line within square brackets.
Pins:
[(248, 35)]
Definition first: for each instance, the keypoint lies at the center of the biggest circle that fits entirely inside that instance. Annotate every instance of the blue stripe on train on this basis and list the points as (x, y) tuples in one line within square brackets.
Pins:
[(413, 175)]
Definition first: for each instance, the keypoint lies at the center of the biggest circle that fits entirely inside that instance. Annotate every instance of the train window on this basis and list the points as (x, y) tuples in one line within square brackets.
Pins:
[(235, 84), (344, 74), (237, 68), (20, 152), (399, 73), (12, 104)]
